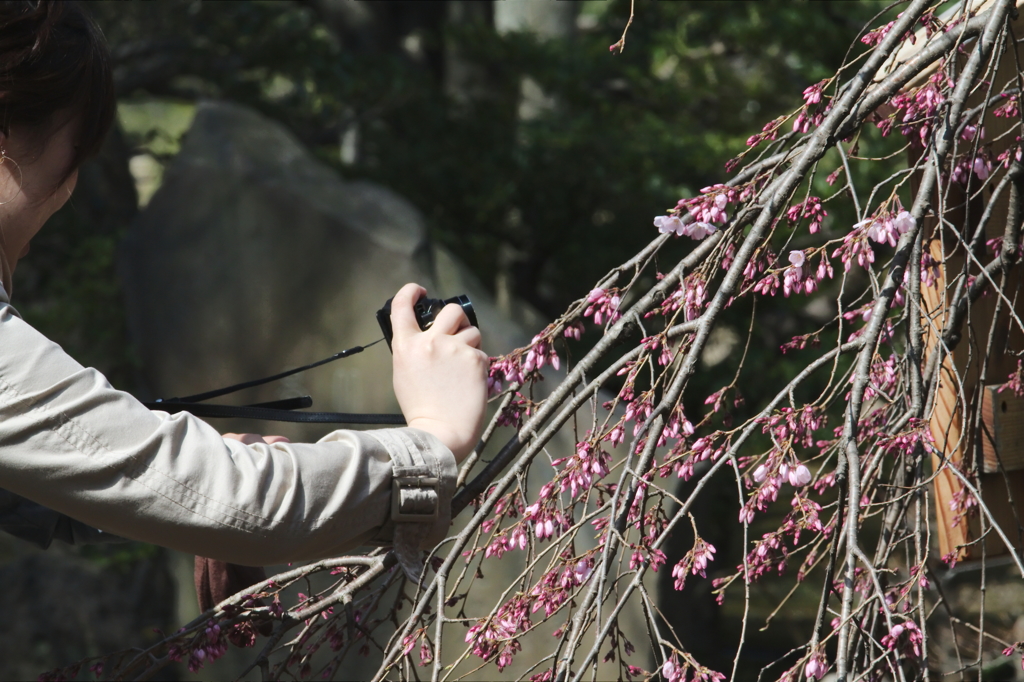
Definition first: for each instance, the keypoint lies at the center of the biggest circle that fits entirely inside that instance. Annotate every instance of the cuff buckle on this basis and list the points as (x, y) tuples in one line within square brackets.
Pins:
[(414, 495)]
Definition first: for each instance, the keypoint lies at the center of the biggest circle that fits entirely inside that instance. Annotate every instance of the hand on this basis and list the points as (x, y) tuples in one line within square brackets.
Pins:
[(440, 375), (252, 438)]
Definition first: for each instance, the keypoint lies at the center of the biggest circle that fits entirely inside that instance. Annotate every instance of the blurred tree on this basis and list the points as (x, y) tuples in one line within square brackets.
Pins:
[(428, 99), (381, 91)]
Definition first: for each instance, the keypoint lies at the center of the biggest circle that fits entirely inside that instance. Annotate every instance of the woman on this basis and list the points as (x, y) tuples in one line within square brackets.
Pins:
[(72, 443)]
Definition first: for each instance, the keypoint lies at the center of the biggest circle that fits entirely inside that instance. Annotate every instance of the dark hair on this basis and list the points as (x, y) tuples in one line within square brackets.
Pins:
[(54, 61)]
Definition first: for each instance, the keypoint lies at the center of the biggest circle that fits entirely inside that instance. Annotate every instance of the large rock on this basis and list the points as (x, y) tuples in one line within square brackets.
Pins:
[(254, 257)]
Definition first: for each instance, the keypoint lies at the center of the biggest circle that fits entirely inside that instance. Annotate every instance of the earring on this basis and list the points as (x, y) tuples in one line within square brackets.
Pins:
[(3, 159)]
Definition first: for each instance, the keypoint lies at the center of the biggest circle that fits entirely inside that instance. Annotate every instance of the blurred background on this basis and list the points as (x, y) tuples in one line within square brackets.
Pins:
[(531, 153), (278, 169)]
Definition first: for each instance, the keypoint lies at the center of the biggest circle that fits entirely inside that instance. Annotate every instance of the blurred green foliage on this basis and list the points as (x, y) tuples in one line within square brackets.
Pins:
[(555, 200), (545, 205)]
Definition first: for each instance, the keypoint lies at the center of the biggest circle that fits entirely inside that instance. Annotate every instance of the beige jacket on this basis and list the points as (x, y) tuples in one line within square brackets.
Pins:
[(71, 442)]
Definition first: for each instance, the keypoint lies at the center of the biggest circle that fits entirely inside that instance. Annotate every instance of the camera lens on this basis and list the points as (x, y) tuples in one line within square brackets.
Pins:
[(467, 307)]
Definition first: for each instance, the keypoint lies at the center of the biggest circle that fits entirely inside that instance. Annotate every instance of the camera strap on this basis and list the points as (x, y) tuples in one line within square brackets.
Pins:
[(276, 410)]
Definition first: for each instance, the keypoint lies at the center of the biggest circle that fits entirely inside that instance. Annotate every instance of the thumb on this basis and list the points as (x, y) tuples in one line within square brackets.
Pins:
[(403, 317)]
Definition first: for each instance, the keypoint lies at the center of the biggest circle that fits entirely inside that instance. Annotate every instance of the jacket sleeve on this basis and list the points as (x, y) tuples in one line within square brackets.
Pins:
[(71, 442)]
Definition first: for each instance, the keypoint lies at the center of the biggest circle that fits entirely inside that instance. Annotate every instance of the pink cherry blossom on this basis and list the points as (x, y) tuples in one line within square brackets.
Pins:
[(816, 667), (904, 222), (1009, 110), (604, 305), (915, 109), (669, 225), (970, 131), (794, 278), (906, 637), (540, 353), (879, 229), (799, 476), (695, 562), (699, 230), (812, 94), (982, 167), (574, 330), (809, 208)]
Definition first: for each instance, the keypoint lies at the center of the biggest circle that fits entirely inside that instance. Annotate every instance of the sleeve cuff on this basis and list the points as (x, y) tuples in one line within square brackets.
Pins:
[(423, 477)]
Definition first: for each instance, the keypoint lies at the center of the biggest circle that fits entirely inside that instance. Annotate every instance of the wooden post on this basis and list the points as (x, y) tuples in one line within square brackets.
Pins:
[(997, 447)]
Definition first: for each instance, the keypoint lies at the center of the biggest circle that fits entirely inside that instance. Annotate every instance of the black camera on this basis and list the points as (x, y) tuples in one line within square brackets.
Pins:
[(426, 310)]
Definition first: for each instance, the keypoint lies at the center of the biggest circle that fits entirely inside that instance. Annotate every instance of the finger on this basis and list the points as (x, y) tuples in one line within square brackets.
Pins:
[(276, 439), (470, 336), (403, 317), (246, 438), (451, 319)]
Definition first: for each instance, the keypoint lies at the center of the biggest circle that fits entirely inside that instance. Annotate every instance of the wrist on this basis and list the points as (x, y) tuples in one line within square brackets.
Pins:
[(448, 436)]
